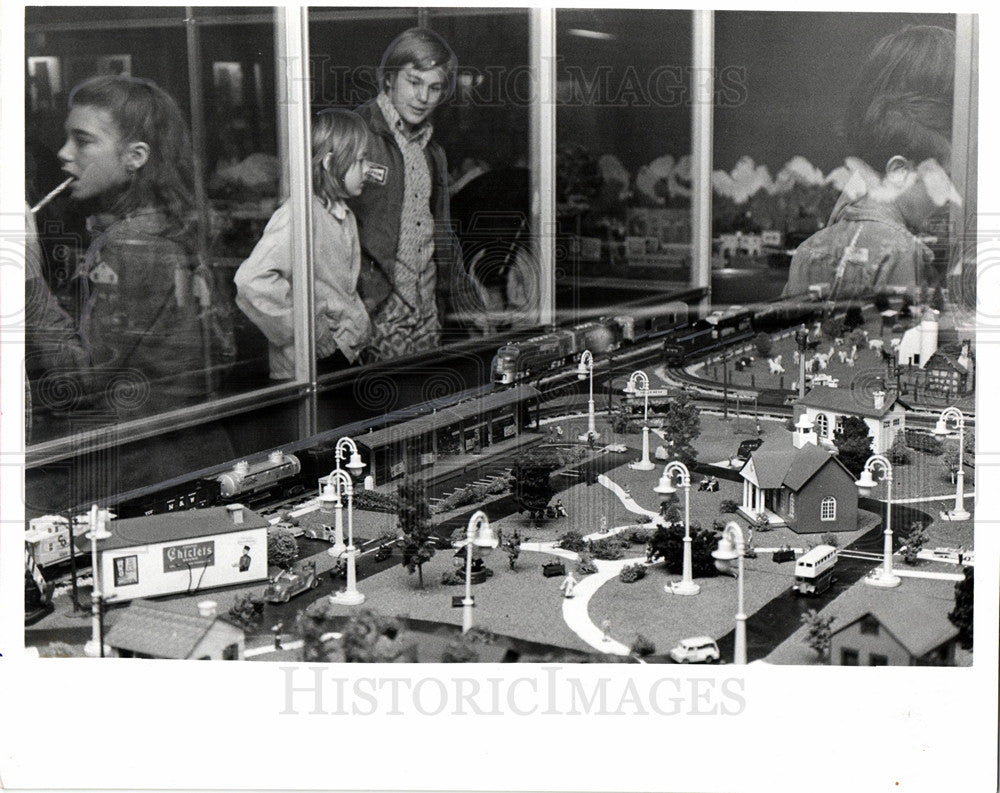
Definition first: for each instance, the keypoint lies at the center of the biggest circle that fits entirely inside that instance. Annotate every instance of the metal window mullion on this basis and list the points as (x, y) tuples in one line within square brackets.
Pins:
[(291, 51), (542, 57), (702, 106)]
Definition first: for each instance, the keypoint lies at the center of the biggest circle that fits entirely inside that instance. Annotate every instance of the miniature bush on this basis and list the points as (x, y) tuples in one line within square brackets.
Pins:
[(585, 565), (247, 611), (853, 317), (899, 454), (639, 536), (915, 541), (818, 634), (727, 505), (642, 646), (923, 442), (668, 544), (763, 343), (282, 549), (608, 548), (373, 501), (830, 539), (571, 541), (961, 615), (632, 572)]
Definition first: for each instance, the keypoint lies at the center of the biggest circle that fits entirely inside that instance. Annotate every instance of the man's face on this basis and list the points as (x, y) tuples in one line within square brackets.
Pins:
[(415, 93), (93, 152)]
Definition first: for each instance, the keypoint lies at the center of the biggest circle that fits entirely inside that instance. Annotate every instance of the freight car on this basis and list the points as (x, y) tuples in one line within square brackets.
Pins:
[(717, 330)]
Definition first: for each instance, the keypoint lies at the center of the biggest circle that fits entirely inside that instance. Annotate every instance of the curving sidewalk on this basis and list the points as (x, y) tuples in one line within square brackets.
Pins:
[(575, 610)]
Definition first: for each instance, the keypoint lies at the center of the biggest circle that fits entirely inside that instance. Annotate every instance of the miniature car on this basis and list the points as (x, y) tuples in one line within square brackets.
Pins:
[(619, 448), (287, 584), (746, 447), (695, 650)]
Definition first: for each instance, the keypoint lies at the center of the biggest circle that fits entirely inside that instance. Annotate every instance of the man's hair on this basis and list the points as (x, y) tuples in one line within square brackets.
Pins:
[(142, 111), (342, 134), (902, 99), (423, 49)]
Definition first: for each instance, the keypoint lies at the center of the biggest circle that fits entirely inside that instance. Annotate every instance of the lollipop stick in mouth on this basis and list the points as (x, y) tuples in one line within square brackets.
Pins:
[(52, 194)]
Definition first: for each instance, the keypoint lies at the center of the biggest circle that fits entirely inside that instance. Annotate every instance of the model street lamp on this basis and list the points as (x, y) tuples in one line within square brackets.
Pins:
[(866, 484), (354, 465), (478, 534), (98, 531), (666, 486), (586, 367), (941, 429), (639, 381), (733, 546), (341, 480)]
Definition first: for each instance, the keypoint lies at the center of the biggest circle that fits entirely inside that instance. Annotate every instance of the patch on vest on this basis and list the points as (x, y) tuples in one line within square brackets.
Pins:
[(375, 173), (102, 274)]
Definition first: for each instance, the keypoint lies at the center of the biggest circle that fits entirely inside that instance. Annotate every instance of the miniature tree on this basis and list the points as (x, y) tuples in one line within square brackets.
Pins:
[(282, 549), (670, 508), (899, 452), (668, 544), (512, 548), (854, 444), (833, 327), (818, 633), (853, 318), (415, 524), (961, 615), (642, 646), (681, 428), (915, 541), (881, 302), (763, 343), (532, 487)]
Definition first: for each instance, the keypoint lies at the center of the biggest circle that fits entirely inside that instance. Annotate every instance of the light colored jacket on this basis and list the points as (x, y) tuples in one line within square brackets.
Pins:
[(264, 285)]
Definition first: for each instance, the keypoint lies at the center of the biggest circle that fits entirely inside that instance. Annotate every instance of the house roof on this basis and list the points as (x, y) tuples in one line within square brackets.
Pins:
[(849, 401), (917, 622), (770, 466), (946, 360), (170, 526), (807, 463), (162, 630), (777, 468)]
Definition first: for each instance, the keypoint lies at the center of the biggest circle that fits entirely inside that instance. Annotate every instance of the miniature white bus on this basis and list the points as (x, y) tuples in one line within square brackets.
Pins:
[(814, 570)]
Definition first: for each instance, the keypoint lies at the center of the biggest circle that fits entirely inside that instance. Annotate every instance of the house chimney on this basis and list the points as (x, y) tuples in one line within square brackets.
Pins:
[(804, 432), (879, 397), (235, 512), (207, 608)]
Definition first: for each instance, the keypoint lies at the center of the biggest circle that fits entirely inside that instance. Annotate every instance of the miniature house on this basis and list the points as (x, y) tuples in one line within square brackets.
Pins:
[(178, 630), (808, 490), (872, 629), (828, 407)]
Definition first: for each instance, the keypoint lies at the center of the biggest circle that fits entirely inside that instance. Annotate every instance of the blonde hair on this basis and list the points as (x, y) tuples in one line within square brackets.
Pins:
[(342, 135)]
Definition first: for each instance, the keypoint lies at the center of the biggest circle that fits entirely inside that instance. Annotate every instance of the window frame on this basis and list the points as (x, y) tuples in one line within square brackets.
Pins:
[(824, 511)]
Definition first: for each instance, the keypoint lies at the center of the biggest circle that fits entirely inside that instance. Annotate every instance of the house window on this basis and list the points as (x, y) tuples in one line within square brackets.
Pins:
[(126, 570), (828, 508), (886, 424), (895, 422), (848, 657), (916, 359), (839, 424), (822, 425), (791, 505), (869, 625), (876, 659)]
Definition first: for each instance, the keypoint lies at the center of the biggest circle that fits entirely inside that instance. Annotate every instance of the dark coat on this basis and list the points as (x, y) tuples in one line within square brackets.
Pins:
[(380, 207)]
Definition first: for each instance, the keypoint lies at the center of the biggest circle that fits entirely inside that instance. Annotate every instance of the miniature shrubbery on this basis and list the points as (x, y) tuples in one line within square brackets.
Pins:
[(373, 501), (585, 565), (642, 646), (632, 572), (727, 505), (571, 541), (608, 547)]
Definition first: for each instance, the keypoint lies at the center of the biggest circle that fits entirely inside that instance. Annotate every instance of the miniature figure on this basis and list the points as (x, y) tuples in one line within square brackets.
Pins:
[(568, 585)]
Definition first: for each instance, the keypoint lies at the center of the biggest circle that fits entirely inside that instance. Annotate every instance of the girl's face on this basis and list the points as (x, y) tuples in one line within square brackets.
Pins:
[(354, 179), (94, 152)]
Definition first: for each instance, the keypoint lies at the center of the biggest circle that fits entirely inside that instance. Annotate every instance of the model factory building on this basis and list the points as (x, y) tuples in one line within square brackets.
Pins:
[(181, 552)]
